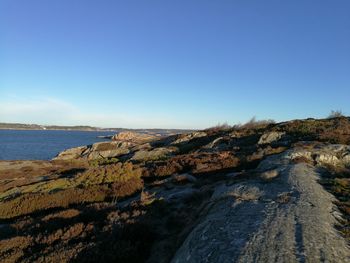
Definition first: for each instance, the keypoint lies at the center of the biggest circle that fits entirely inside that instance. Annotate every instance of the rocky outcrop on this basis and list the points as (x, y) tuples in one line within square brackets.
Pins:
[(73, 153), (121, 144), (289, 219), (129, 142), (333, 155), (183, 138), (108, 149), (96, 151), (134, 137), (270, 137)]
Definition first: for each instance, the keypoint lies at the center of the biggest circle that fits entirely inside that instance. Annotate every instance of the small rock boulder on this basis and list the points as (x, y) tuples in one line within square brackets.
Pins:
[(269, 175), (109, 149), (270, 137), (73, 153), (134, 137), (96, 151), (188, 137)]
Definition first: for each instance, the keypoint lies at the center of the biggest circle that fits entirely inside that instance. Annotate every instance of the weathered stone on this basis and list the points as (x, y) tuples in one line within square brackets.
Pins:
[(241, 192), (334, 155), (134, 137), (96, 151), (109, 149), (268, 175), (115, 150), (187, 137), (108, 146), (213, 143), (270, 137), (73, 153), (346, 159), (271, 221), (327, 158), (219, 144)]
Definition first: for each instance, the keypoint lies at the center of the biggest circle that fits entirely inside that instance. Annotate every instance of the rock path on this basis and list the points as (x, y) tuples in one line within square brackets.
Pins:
[(288, 218)]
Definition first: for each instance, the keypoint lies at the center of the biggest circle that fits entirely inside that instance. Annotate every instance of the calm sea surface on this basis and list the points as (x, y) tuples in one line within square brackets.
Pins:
[(42, 144)]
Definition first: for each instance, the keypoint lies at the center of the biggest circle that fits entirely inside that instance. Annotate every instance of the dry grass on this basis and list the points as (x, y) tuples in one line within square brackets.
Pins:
[(337, 181), (335, 130), (253, 123), (335, 114), (220, 127)]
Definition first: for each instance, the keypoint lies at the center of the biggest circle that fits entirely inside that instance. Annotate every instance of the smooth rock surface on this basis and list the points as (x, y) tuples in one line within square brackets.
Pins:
[(96, 151), (187, 137), (72, 153), (133, 137), (288, 219), (108, 149)]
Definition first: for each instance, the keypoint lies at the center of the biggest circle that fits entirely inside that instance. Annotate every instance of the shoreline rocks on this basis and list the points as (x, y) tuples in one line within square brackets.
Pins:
[(134, 137), (121, 144)]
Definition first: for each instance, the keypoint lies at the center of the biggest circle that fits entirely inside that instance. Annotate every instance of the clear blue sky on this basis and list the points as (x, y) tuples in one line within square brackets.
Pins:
[(180, 64)]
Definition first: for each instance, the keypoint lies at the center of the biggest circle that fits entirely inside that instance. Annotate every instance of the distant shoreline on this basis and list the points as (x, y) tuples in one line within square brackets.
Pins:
[(33, 129), (37, 127)]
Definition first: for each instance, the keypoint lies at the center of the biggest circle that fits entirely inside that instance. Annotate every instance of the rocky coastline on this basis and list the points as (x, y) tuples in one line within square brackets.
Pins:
[(264, 192)]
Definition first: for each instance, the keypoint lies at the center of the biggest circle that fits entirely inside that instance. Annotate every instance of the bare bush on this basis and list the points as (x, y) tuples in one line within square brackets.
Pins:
[(254, 123), (219, 127), (335, 114)]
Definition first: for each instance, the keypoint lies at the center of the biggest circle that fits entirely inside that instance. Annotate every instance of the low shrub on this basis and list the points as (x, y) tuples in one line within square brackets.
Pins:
[(253, 123), (218, 128), (335, 114)]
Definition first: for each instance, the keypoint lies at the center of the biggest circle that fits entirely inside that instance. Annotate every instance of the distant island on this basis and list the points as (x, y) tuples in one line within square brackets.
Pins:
[(21, 126)]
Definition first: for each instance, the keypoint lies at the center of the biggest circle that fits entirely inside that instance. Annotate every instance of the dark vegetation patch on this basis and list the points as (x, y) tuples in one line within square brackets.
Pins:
[(337, 181), (335, 130), (196, 143), (103, 232), (103, 161)]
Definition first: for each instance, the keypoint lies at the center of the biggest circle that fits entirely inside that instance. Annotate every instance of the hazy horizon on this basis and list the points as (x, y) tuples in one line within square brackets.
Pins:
[(183, 64)]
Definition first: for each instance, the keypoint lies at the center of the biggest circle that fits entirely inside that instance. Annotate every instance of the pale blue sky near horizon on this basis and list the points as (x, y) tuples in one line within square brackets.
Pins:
[(172, 64)]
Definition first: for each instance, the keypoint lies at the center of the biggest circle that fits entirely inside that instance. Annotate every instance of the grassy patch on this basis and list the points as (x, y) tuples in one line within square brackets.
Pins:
[(94, 185)]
